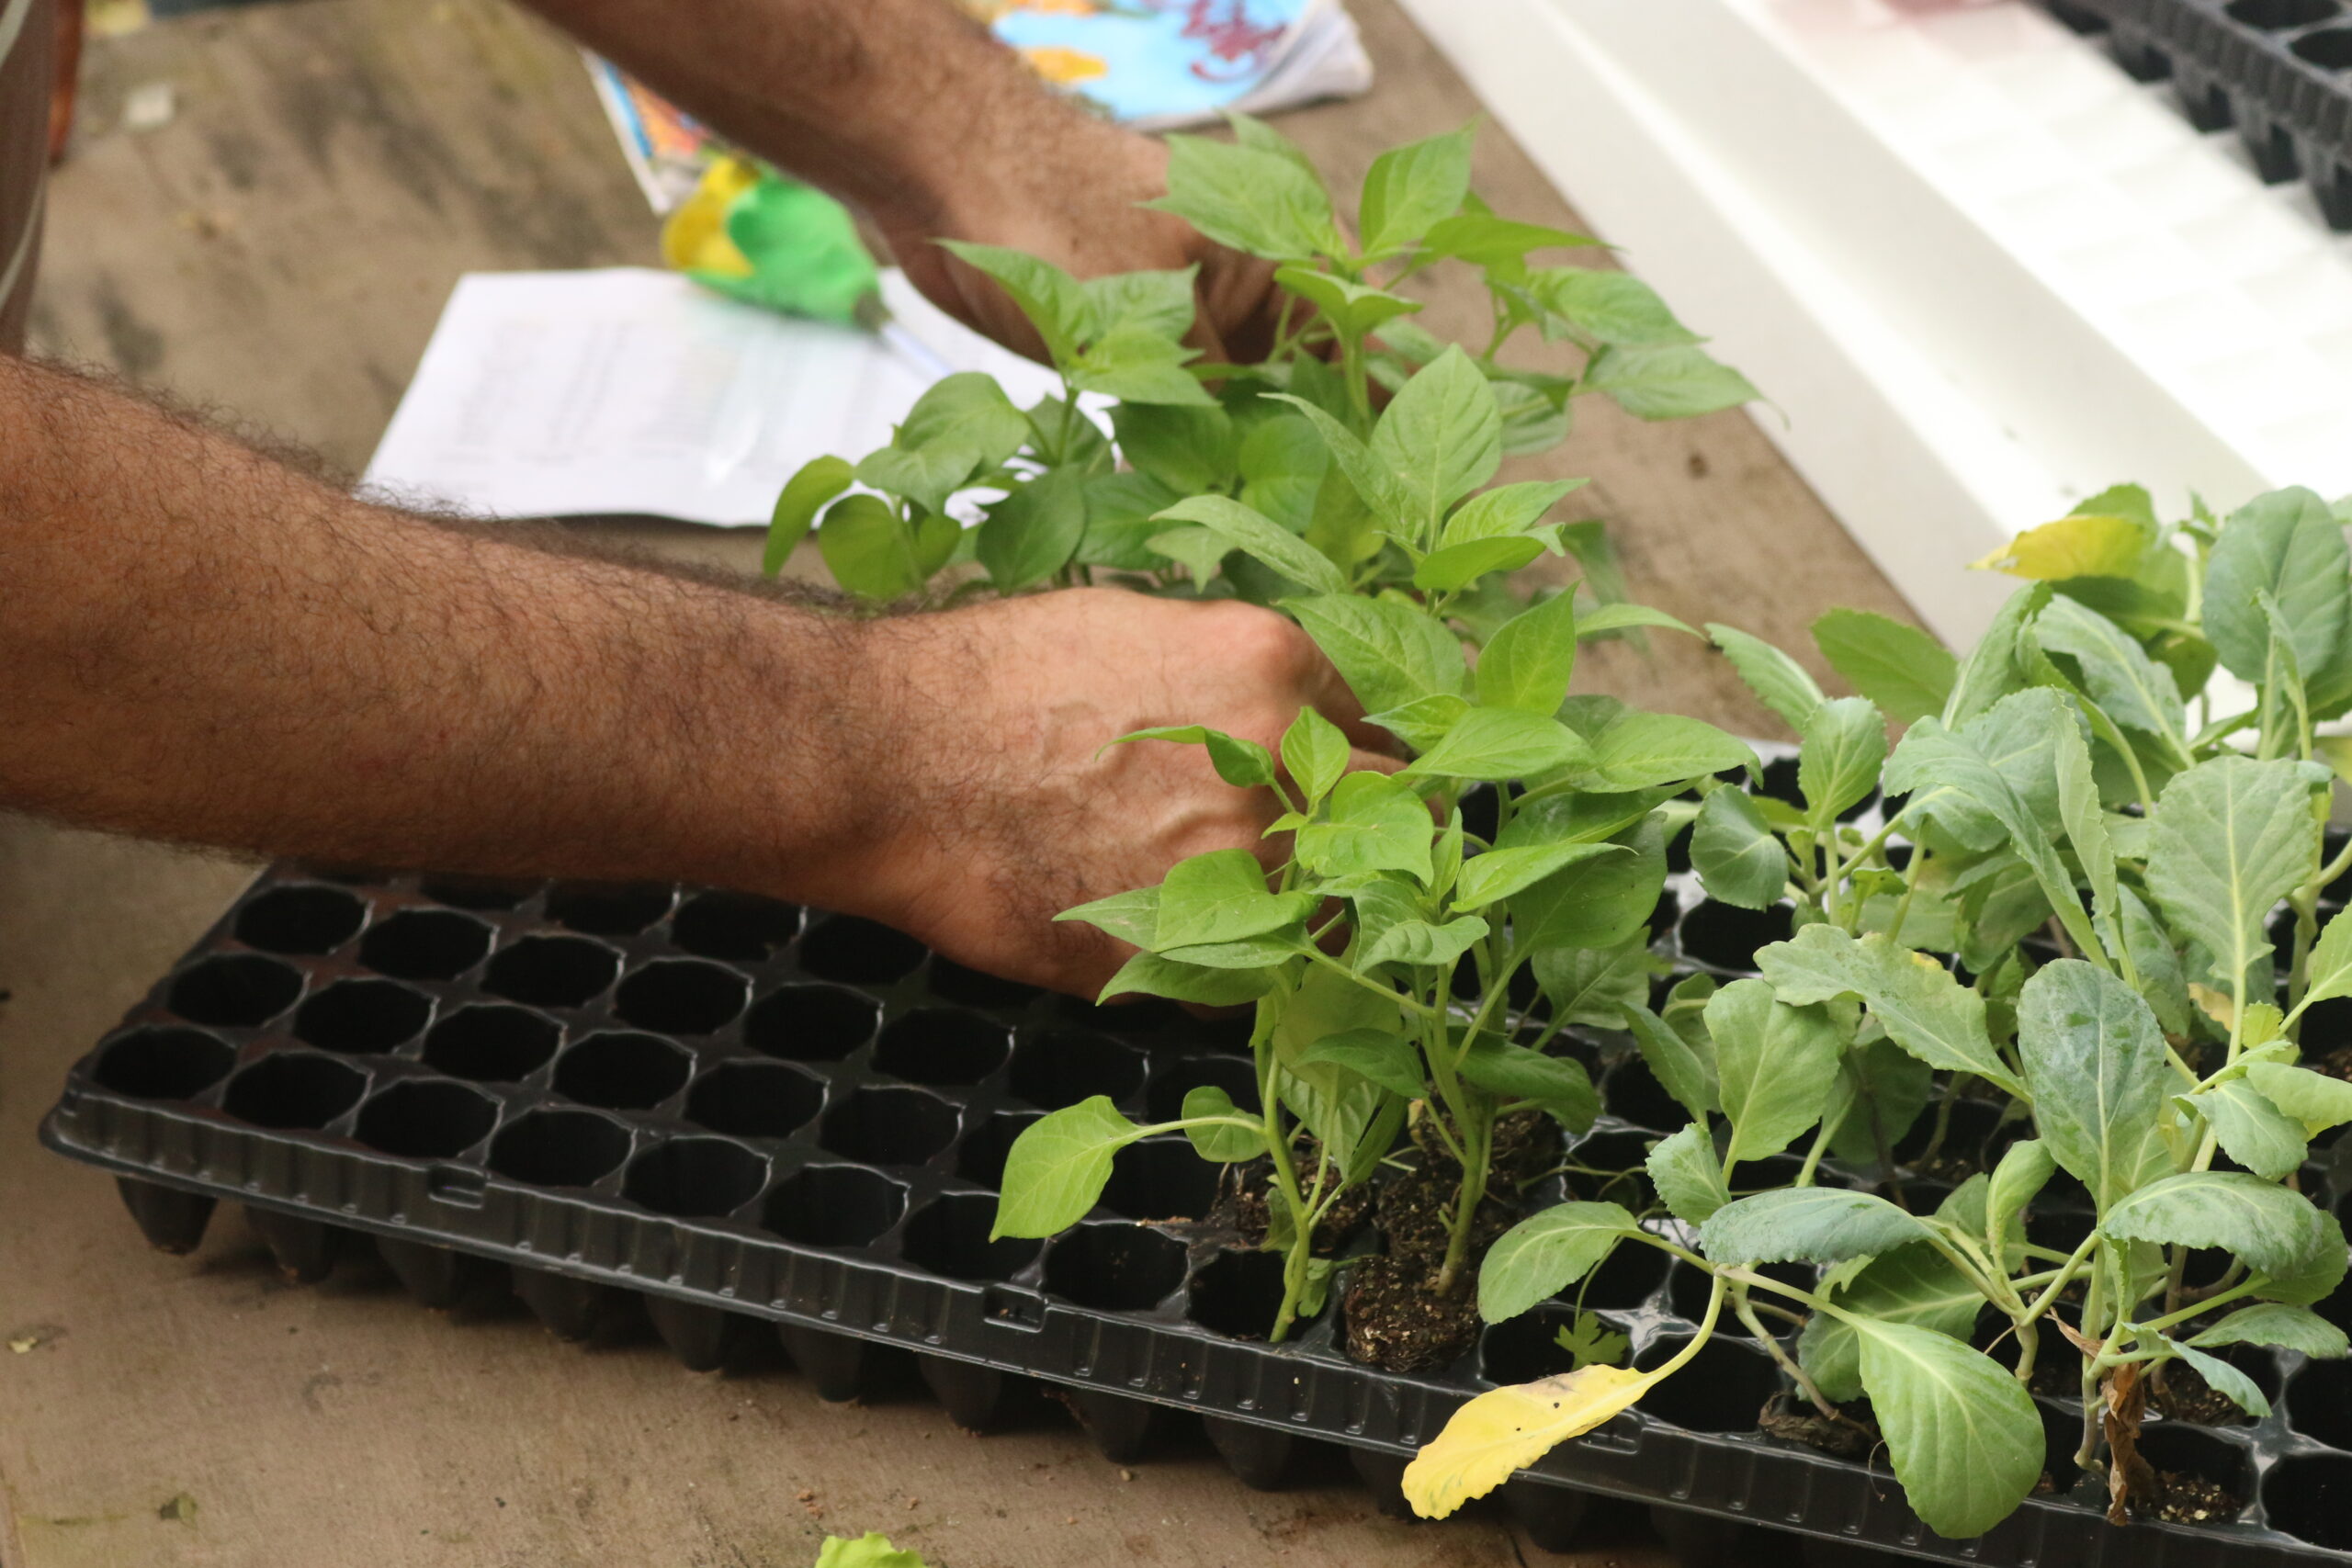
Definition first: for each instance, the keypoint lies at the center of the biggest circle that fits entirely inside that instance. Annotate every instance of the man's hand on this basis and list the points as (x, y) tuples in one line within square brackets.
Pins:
[(1004, 803)]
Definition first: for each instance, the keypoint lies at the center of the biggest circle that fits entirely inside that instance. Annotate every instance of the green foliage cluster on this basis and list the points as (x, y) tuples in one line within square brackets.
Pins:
[(1261, 482), (2068, 914)]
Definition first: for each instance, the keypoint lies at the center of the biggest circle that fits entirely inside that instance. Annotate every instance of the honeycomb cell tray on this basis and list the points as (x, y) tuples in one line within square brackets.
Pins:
[(2278, 71), (737, 1117)]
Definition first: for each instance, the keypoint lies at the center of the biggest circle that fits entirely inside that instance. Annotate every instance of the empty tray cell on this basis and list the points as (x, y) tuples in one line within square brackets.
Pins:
[(834, 1206), (1632, 1093), (943, 1045), (1721, 1388), (2185, 1450), (1238, 1293), (859, 952), (559, 1148), (621, 1071), (981, 1158), (2309, 1496), (950, 1235), (2330, 49), (301, 919), (1063, 1066), (552, 971), (1630, 1276), (681, 996), (1116, 1268), (237, 990), (1175, 1080), (491, 1043), (952, 982), (367, 1017), (164, 1064), (695, 1179), (477, 892), (890, 1126), (741, 926), (1780, 781), (1161, 1179), (2327, 1027), (427, 1119), (2275, 16), (1687, 1288), (294, 1089), (1127, 1019), (1727, 936), (607, 908), (810, 1024), (754, 1099), (425, 944), (1968, 1135), (1528, 1347), (2318, 1402)]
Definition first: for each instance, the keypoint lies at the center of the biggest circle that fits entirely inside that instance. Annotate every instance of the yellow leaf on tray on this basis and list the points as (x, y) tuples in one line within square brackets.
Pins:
[(1506, 1430), (2072, 547)]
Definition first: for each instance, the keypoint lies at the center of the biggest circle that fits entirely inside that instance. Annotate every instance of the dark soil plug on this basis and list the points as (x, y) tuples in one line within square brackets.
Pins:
[(1397, 1320), (1793, 1419)]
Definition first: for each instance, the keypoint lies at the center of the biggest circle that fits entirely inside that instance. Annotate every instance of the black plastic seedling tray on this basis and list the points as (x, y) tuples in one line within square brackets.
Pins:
[(727, 1114), (2279, 71)]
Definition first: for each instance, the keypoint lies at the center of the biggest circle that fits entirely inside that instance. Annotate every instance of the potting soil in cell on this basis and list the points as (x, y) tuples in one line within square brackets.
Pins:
[(721, 1112)]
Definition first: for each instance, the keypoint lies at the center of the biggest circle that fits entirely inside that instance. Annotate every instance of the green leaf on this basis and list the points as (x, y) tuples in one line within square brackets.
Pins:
[(1188, 449), (804, 495), (1505, 511), (1426, 946), (1050, 298), (869, 550), (1777, 680), (1354, 309), (1497, 873), (872, 1550), (1315, 753), (2224, 1379), (1614, 308), (1738, 860), (1389, 654), (2025, 1170), (1380, 488), (1901, 668), (1636, 750), (1589, 1342), (1413, 186), (1055, 1171), (1913, 1285), (1604, 619), (1454, 567), (1594, 903), (1558, 1085), (1034, 531), (1222, 896), (1283, 467), (1373, 823), (2314, 1100), (2250, 1128), (1159, 302), (2288, 544), (1251, 199), (2228, 840), (2132, 688), (2095, 1065), (1885, 1088), (1132, 916), (1138, 366), (1241, 763), (2272, 1228), (1423, 722), (1247, 953), (1689, 1180), (1496, 744), (1595, 986), (1916, 999), (1676, 382), (1528, 663), (1547, 1252), (1776, 1064), (1845, 745), (1219, 1145), (2161, 981), (1484, 240), (2316, 1278), (1682, 1062), (1264, 538), (1153, 975), (1991, 670), (1440, 438), (1962, 1433), (1386, 1059), (2085, 825), (2273, 1323), (1819, 1224)]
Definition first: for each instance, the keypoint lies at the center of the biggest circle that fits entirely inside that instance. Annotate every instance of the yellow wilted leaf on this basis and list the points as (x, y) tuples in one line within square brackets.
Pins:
[(2072, 547), (1506, 1430), (2215, 1005), (2264, 1024)]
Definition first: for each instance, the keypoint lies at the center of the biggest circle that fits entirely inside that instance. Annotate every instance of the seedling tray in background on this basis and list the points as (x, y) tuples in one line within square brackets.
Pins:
[(2279, 71), (727, 1114)]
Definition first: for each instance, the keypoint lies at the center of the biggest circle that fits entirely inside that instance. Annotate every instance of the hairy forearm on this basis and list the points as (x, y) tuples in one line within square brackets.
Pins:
[(904, 108), (203, 645)]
